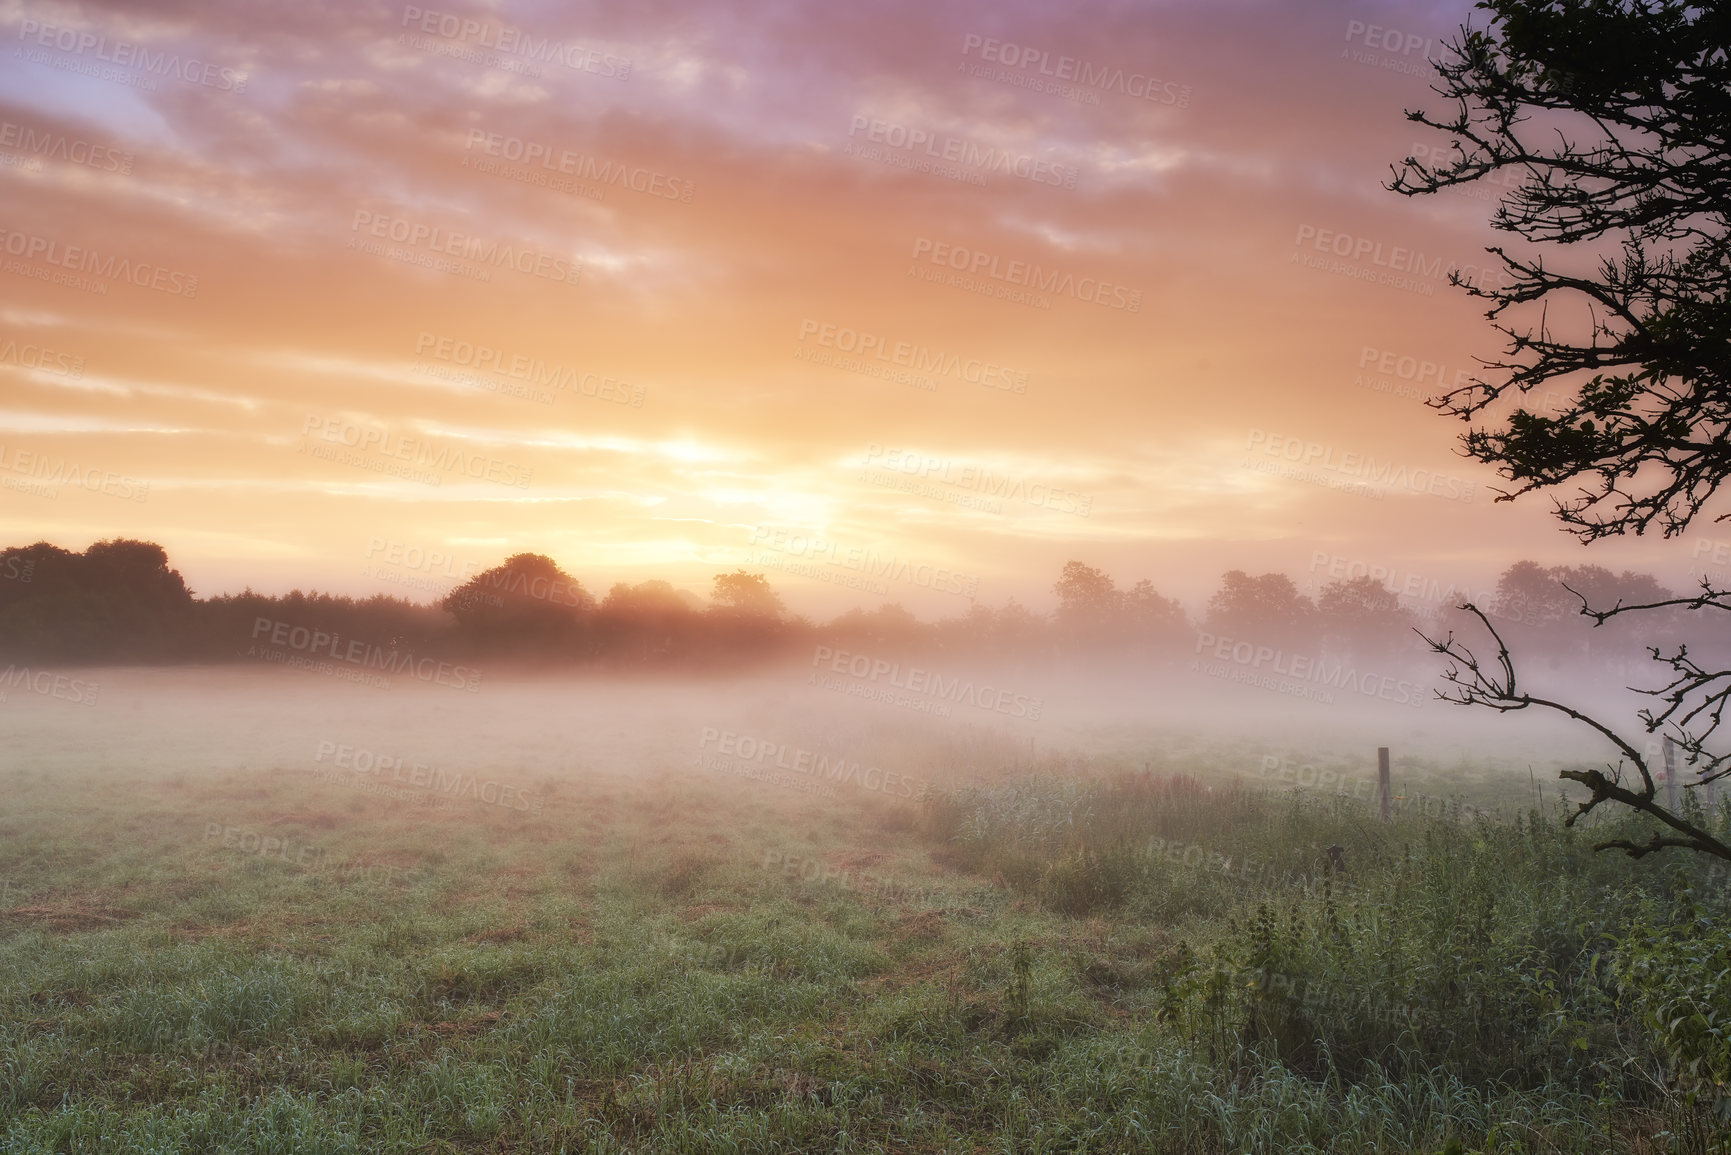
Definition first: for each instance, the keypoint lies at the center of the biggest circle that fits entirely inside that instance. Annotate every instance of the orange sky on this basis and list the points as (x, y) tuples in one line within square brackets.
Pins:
[(594, 270)]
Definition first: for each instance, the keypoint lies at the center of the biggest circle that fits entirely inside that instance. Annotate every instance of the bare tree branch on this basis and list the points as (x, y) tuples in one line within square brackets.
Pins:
[(1496, 688)]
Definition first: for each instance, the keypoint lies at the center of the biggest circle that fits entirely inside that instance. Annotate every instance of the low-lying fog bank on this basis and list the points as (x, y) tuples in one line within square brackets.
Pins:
[(917, 724)]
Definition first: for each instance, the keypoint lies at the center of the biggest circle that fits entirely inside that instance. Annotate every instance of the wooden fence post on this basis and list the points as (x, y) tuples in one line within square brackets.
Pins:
[(1382, 787)]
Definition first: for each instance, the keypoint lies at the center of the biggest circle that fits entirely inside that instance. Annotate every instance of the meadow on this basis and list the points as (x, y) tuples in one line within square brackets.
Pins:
[(568, 917)]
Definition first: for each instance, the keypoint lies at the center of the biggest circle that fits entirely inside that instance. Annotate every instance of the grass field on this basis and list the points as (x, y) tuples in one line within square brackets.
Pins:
[(1048, 951)]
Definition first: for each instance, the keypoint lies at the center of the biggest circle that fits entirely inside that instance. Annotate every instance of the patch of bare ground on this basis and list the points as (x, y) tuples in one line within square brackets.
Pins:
[(66, 918), (469, 1025)]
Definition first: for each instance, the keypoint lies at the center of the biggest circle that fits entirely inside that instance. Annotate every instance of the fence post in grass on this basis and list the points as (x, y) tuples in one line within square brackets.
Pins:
[(1382, 787), (1670, 775)]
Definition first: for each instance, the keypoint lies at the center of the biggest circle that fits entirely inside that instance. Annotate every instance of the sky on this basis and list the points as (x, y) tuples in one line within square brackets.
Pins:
[(886, 301)]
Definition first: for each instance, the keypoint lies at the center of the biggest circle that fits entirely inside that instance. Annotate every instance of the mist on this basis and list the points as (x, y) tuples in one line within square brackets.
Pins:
[(778, 577)]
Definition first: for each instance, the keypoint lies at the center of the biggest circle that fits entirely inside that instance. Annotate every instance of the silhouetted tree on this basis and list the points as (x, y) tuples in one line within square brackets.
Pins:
[(528, 605), (1619, 640), (231, 624), (40, 607), (889, 628), (1153, 621), (1010, 631), (1637, 175), (1088, 601), (1093, 614), (647, 622), (1530, 595), (1639, 92), (1268, 610), (745, 596), (1016, 628), (118, 600), (121, 601), (1539, 608), (746, 615), (1363, 617)]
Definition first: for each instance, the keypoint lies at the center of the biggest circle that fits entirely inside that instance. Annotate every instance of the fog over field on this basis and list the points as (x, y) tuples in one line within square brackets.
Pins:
[(530, 728), (772, 576), (608, 910)]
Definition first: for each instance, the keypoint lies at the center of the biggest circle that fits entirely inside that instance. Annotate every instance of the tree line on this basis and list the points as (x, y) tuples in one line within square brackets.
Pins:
[(121, 601)]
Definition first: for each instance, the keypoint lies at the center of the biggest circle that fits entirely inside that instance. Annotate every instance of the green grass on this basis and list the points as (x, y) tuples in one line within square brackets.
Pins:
[(1062, 963)]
